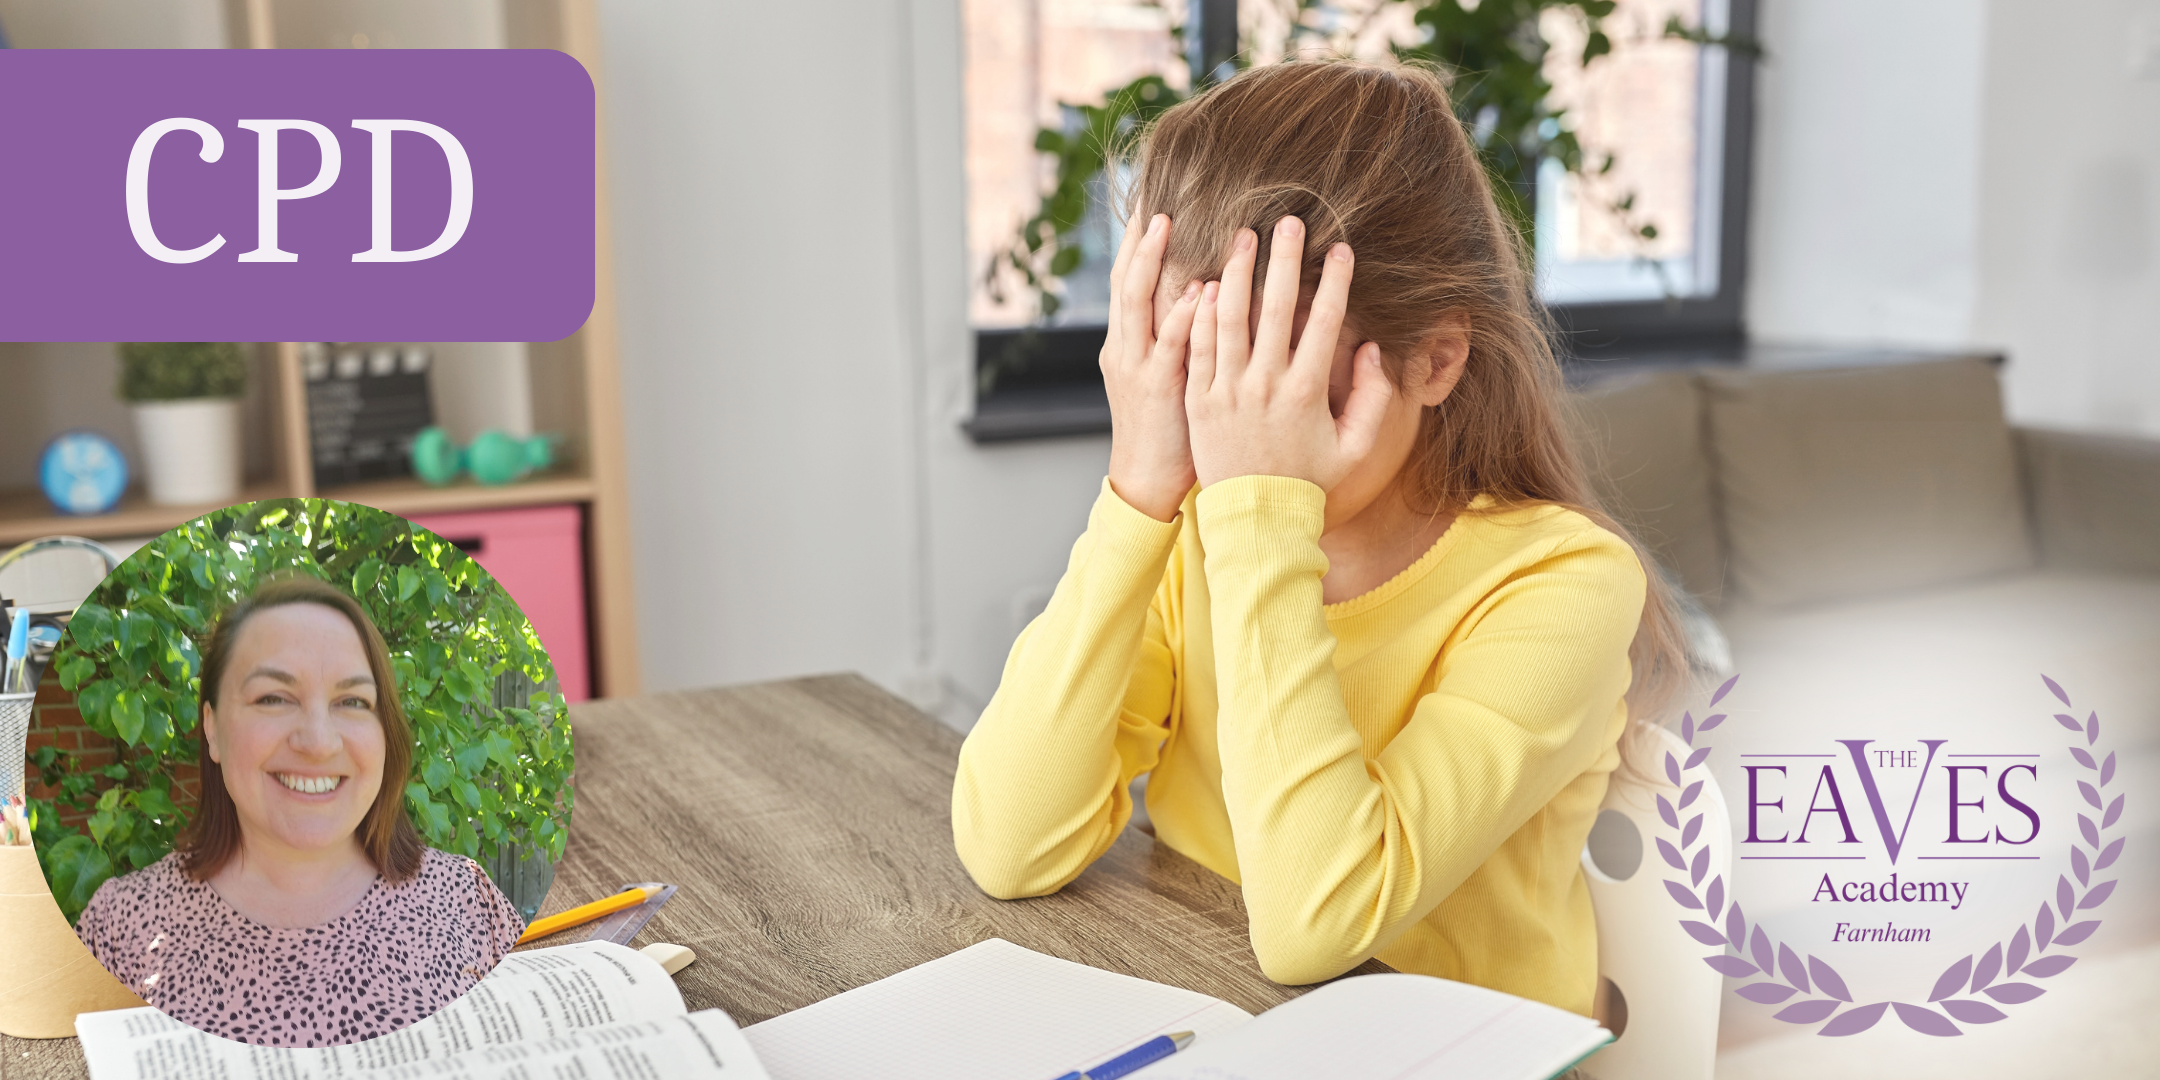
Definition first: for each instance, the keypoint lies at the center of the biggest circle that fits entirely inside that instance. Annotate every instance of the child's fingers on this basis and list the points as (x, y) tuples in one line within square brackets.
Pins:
[(1316, 346), (1134, 228), (1200, 362), (1136, 292), (1233, 330), (1278, 302), (1131, 240), (1177, 329), (1357, 430)]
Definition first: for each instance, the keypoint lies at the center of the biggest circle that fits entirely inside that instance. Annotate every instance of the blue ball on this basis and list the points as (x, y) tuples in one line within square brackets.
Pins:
[(82, 472)]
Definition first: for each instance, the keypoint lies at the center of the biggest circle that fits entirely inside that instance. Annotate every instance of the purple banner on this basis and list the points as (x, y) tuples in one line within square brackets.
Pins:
[(295, 195)]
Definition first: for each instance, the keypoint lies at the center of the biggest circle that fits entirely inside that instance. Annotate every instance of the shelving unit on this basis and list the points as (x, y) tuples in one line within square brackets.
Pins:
[(576, 389)]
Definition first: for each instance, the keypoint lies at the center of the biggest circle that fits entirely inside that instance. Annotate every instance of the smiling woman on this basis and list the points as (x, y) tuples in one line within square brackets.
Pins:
[(301, 907), (315, 778)]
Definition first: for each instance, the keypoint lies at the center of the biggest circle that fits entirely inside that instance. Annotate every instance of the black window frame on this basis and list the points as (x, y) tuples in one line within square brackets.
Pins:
[(1047, 383)]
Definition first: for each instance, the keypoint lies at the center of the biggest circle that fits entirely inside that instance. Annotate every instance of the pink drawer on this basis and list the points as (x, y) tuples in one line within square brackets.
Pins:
[(538, 553)]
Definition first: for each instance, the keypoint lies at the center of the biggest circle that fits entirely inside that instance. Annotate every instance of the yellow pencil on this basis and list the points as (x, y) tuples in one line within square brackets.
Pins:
[(586, 913)]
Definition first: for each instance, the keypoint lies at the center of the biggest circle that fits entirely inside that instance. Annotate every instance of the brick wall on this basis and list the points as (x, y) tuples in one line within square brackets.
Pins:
[(56, 722)]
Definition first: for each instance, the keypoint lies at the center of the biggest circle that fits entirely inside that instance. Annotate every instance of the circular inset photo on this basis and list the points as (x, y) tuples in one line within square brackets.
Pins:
[(322, 776)]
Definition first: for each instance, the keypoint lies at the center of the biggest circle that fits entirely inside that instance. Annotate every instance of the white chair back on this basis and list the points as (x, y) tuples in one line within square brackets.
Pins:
[(1655, 991)]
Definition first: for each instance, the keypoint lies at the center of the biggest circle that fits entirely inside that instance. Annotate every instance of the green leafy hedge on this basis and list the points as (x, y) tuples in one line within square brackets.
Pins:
[(492, 760)]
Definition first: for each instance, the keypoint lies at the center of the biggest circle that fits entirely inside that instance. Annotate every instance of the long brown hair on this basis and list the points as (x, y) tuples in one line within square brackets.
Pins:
[(385, 833), (1375, 157)]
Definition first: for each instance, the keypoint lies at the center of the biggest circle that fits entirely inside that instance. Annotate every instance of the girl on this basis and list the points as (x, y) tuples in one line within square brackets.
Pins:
[(1379, 664)]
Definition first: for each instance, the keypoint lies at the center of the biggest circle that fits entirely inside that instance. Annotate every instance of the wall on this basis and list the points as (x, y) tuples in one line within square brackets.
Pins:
[(114, 24), (2072, 183), (765, 371), (1000, 519), (388, 24), (55, 721), (796, 357), (1866, 188), (1951, 174)]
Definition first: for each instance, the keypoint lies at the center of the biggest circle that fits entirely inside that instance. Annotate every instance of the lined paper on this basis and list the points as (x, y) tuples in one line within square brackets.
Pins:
[(1394, 1027), (991, 1011)]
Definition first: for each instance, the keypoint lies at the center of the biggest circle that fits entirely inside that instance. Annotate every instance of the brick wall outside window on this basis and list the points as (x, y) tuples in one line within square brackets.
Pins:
[(56, 722)]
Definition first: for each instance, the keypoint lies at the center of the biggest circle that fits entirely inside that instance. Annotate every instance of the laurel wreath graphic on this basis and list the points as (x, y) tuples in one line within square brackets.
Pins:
[(1823, 997)]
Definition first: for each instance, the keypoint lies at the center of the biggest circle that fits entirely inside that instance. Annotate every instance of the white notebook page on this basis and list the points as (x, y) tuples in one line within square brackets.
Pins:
[(1393, 1027), (992, 1011)]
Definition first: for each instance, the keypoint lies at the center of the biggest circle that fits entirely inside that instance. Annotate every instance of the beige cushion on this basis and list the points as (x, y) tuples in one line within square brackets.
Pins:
[(2095, 497), (1855, 481), (1641, 436)]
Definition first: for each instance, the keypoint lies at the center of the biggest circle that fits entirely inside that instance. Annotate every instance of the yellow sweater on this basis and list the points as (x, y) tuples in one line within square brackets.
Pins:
[(1409, 774)]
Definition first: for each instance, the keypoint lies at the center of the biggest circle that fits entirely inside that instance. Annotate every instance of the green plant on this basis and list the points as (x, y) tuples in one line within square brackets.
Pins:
[(1045, 249), (181, 370), (484, 775), (1496, 50)]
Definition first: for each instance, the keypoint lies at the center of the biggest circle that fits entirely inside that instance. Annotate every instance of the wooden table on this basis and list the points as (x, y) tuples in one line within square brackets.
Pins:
[(808, 823)]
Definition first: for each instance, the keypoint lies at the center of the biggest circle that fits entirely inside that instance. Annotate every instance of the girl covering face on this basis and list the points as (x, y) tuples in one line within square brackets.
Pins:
[(1344, 595), (301, 908)]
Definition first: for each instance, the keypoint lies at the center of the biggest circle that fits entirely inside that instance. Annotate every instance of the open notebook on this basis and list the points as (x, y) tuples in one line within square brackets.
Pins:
[(996, 1011), (992, 1011)]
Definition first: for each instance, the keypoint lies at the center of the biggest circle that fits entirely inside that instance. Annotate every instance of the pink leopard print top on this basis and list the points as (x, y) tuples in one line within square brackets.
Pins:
[(401, 953)]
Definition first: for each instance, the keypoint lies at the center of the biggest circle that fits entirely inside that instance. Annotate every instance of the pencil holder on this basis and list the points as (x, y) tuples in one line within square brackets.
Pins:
[(47, 977), (15, 712)]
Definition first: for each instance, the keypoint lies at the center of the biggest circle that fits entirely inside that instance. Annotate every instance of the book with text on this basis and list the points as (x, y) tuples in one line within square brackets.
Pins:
[(594, 1009), (991, 1011)]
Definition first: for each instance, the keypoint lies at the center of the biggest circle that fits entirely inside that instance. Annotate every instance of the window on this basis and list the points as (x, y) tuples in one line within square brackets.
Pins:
[(1640, 105), (1024, 57), (1672, 116)]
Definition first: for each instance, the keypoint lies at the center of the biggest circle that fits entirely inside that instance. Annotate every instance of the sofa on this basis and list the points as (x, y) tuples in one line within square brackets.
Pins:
[(1879, 554)]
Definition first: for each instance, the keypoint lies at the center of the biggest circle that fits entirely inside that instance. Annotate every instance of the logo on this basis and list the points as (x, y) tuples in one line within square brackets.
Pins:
[(1989, 816), (251, 195)]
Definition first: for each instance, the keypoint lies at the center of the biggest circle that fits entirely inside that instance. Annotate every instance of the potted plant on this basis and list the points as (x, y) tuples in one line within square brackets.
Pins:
[(185, 396)]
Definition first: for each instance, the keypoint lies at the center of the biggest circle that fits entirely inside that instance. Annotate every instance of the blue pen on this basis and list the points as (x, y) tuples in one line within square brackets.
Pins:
[(18, 645), (1137, 1058)]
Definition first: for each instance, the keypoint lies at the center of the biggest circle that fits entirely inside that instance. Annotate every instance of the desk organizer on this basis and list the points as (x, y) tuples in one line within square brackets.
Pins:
[(15, 711)]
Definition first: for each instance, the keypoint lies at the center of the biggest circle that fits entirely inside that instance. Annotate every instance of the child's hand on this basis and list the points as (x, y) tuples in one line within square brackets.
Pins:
[(1151, 465), (1256, 410)]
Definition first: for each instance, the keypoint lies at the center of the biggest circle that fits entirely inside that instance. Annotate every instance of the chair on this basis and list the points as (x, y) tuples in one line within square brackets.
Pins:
[(1654, 992)]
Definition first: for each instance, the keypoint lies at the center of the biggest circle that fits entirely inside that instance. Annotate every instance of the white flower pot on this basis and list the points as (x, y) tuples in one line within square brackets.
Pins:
[(190, 450)]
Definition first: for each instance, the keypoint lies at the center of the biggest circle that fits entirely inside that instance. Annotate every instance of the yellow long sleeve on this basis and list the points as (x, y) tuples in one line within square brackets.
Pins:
[(1044, 775), (1409, 774)]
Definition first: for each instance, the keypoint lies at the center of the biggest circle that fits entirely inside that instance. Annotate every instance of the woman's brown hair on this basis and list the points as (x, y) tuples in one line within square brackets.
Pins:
[(385, 833), (1375, 157)]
